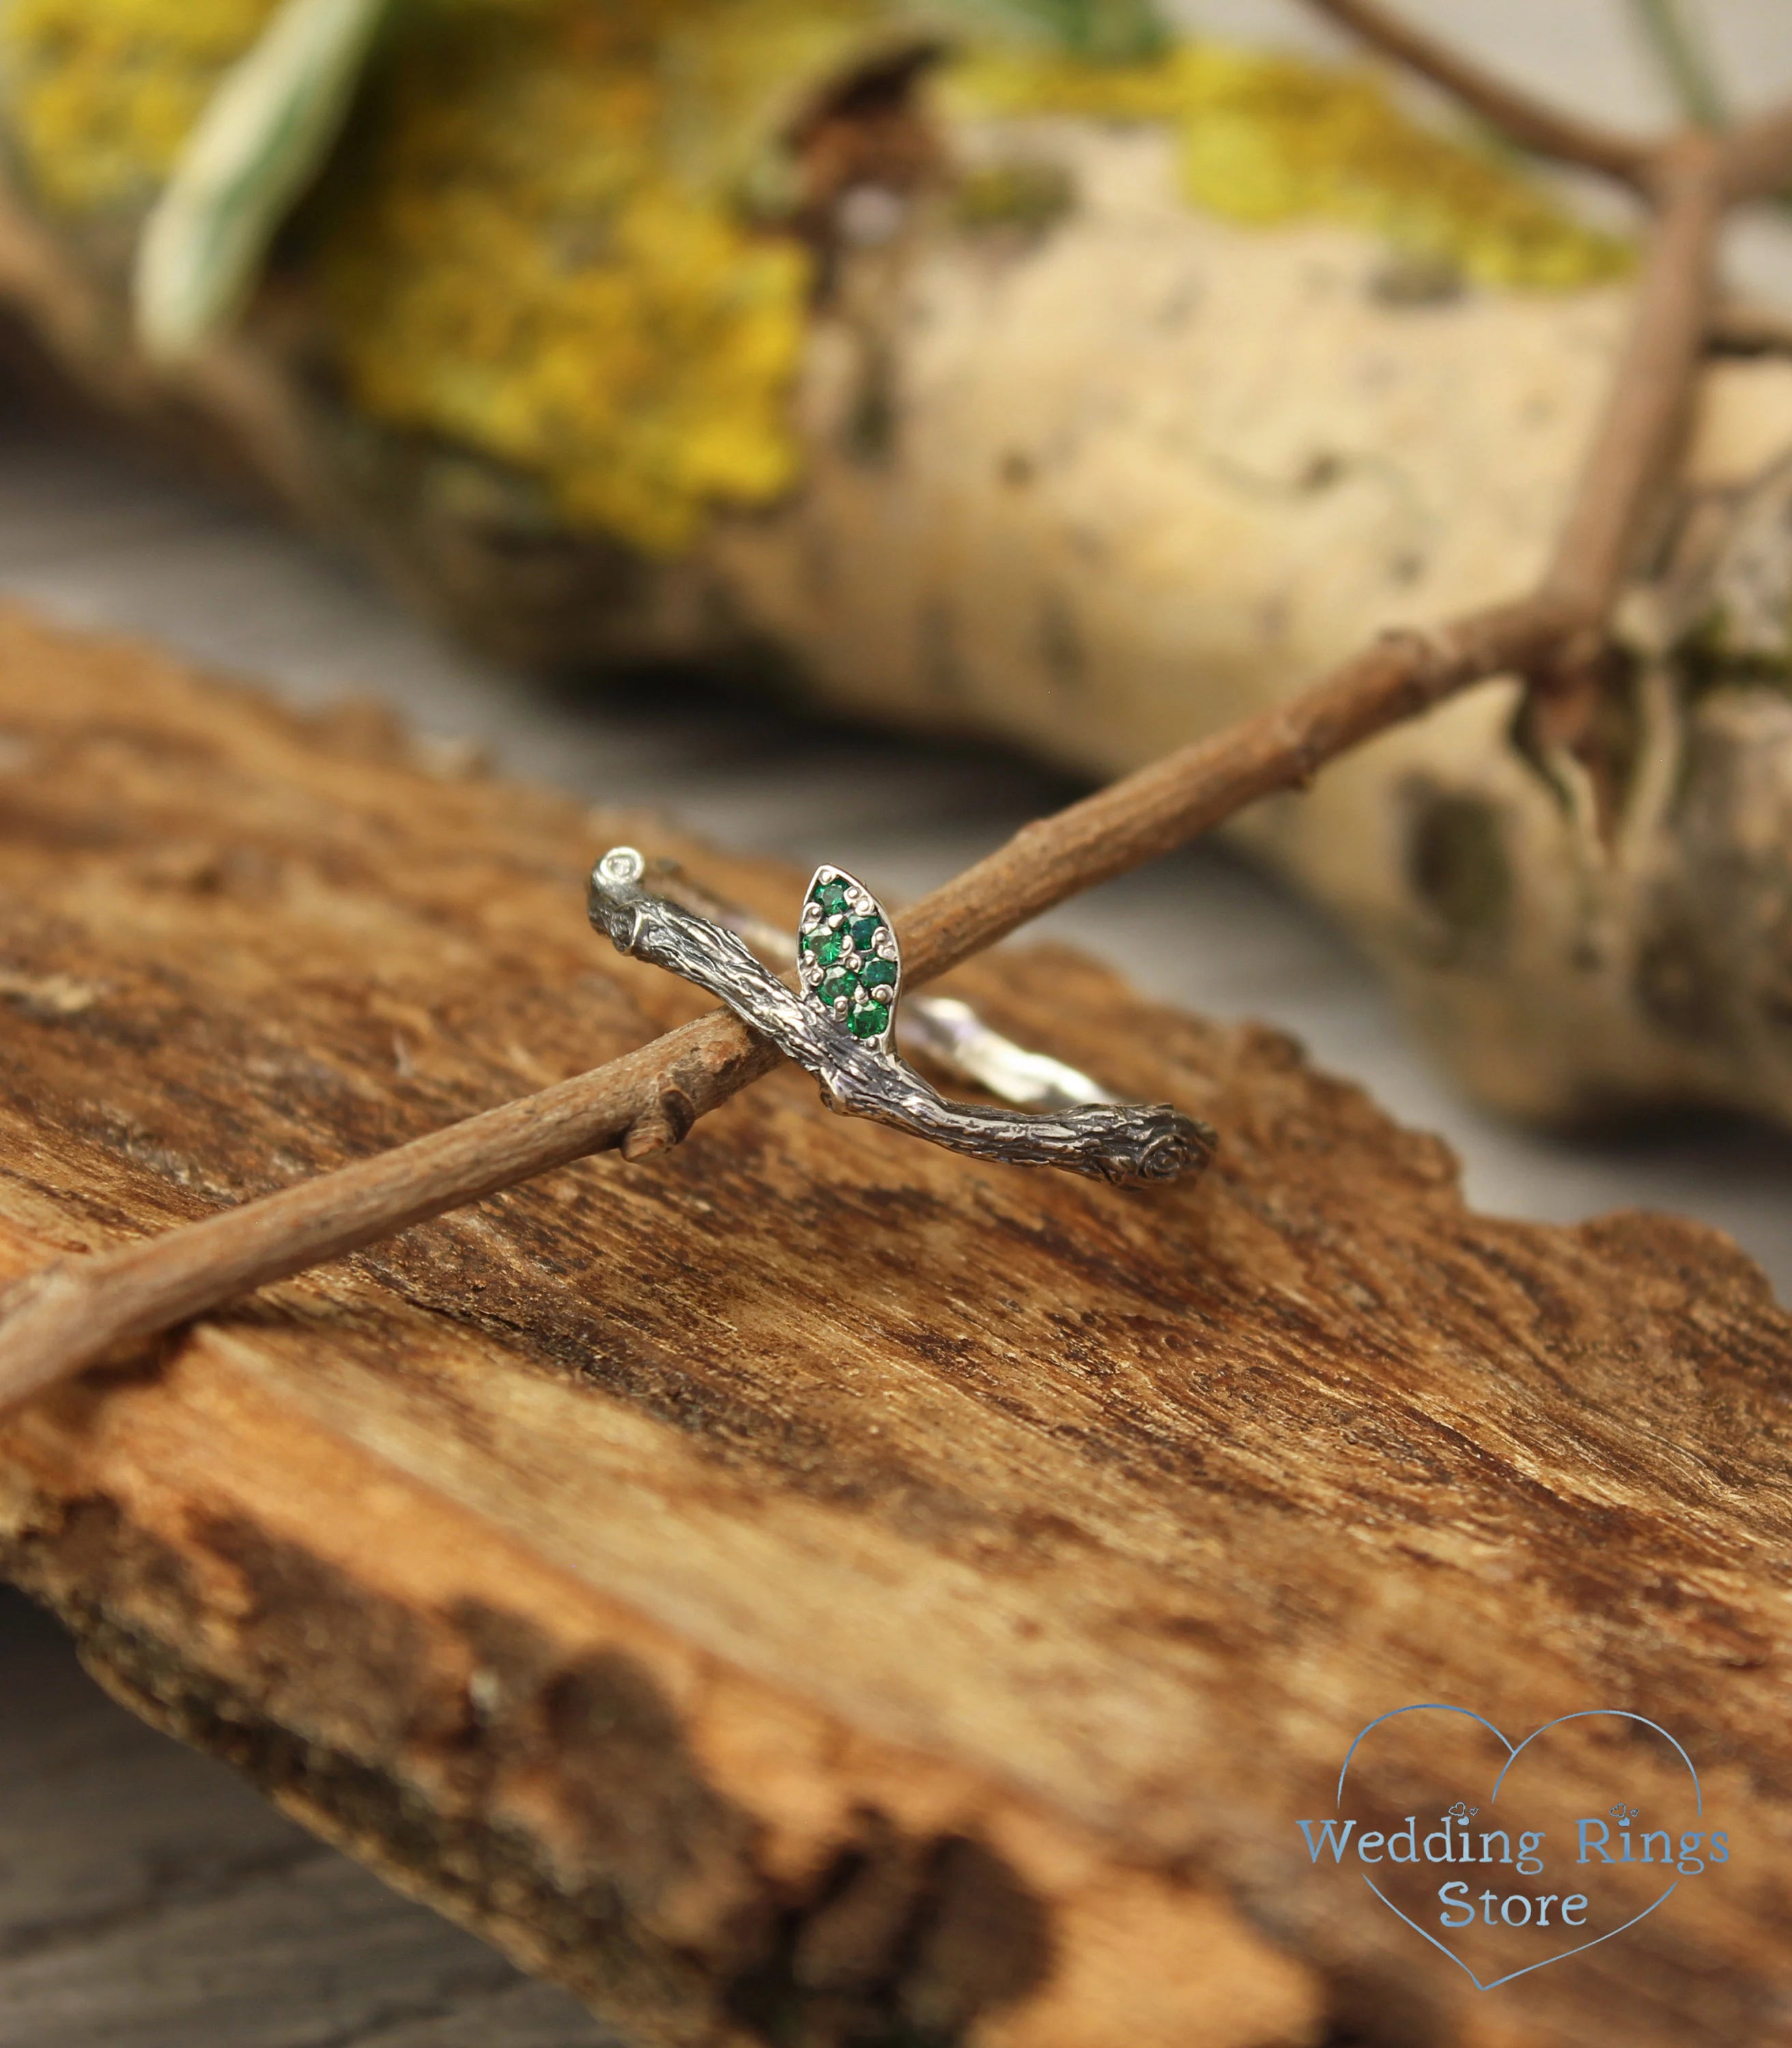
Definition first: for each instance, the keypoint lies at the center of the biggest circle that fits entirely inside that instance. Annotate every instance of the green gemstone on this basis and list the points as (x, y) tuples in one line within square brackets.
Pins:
[(826, 946), (837, 985), (864, 930), (831, 896), (876, 973), (868, 1021)]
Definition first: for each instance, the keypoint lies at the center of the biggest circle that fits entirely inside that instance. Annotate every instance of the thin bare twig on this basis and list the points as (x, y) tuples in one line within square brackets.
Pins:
[(1526, 122), (1652, 387), (1758, 158), (77, 1311)]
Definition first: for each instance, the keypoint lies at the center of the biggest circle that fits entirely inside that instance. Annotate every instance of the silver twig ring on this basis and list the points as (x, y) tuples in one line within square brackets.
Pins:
[(838, 1025)]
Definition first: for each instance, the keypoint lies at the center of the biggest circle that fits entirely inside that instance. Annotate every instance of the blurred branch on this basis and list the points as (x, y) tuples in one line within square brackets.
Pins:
[(1758, 156), (78, 1310), (1522, 119), (1652, 387)]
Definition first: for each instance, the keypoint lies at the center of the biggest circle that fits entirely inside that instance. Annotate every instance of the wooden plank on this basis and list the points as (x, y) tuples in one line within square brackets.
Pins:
[(812, 1587)]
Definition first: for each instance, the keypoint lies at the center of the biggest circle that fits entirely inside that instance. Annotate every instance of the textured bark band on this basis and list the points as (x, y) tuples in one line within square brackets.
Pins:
[(838, 1025)]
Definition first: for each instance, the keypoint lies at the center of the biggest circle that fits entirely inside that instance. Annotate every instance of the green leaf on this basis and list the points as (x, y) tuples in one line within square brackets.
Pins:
[(264, 135)]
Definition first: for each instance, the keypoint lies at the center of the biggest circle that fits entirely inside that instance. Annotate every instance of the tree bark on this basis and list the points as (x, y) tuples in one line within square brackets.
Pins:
[(807, 1587)]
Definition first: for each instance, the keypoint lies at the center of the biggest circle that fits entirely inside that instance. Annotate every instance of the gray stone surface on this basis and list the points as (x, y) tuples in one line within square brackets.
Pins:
[(149, 1899)]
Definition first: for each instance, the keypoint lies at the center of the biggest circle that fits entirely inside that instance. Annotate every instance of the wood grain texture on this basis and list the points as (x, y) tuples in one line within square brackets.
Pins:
[(809, 1588)]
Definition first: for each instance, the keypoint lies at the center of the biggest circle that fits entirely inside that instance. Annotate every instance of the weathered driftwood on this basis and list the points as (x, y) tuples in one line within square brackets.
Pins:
[(809, 1587)]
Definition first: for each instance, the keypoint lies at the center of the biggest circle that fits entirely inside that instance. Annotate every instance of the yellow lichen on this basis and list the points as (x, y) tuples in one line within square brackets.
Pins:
[(1267, 138), (101, 93), (536, 243), (536, 248)]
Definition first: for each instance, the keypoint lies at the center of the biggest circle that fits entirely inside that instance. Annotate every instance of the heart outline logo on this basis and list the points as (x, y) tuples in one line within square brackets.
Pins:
[(1514, 1751)]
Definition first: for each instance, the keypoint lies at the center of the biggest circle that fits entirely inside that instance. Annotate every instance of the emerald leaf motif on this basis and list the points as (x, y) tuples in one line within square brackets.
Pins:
[(847, 956)]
